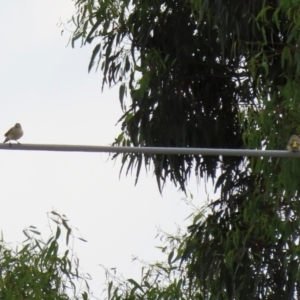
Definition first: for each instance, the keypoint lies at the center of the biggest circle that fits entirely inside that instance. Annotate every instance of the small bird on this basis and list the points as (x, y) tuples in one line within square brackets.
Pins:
[(294, 143), (14, 133)]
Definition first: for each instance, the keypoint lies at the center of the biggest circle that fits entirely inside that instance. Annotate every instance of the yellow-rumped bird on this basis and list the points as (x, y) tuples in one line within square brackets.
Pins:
[(294, 143)]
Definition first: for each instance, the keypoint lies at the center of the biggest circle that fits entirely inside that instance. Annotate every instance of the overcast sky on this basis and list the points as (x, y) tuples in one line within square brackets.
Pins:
[(45, 86)]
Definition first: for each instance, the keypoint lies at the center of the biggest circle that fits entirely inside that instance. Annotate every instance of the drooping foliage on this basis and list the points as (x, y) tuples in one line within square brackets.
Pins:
[(175, 69), (219, 74)]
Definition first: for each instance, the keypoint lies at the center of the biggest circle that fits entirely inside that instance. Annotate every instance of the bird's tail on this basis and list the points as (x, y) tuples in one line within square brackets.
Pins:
[(5, 140)]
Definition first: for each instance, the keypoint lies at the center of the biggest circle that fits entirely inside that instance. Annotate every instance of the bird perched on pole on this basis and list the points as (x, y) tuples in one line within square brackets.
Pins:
[(14, 133), (294, 143)]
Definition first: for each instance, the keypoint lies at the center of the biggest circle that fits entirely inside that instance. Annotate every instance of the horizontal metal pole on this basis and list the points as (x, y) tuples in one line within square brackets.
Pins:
[(150, 150)]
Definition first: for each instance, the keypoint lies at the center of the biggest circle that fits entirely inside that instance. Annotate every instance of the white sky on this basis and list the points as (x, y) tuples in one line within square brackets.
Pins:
[(45, 86)]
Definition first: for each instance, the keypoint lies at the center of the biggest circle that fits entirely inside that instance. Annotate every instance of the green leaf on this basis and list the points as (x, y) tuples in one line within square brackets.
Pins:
[(286, 58), (58, 232), (135, 284), (122, 90), (170, 257), (95, 52)]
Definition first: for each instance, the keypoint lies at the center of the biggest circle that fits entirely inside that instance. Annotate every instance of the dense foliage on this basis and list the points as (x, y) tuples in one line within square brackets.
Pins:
[(220, 74), (37, 270)]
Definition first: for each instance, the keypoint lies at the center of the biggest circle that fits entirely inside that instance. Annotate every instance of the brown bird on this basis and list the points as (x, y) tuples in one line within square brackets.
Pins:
[(14, 133), (294, 143)]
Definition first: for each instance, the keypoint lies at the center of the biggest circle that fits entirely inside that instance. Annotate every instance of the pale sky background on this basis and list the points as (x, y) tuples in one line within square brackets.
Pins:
[(45, 86)]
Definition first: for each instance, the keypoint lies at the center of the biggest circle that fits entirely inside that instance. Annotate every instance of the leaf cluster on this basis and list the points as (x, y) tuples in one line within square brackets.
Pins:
[(186, 79), (159, 280), (37, 270), (209, 74)]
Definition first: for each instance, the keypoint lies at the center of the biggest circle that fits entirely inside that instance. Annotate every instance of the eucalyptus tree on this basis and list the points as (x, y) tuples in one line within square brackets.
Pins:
[(213, 74)]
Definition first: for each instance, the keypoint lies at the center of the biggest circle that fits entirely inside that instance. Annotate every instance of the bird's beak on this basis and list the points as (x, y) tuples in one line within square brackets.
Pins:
[(294, 144)]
